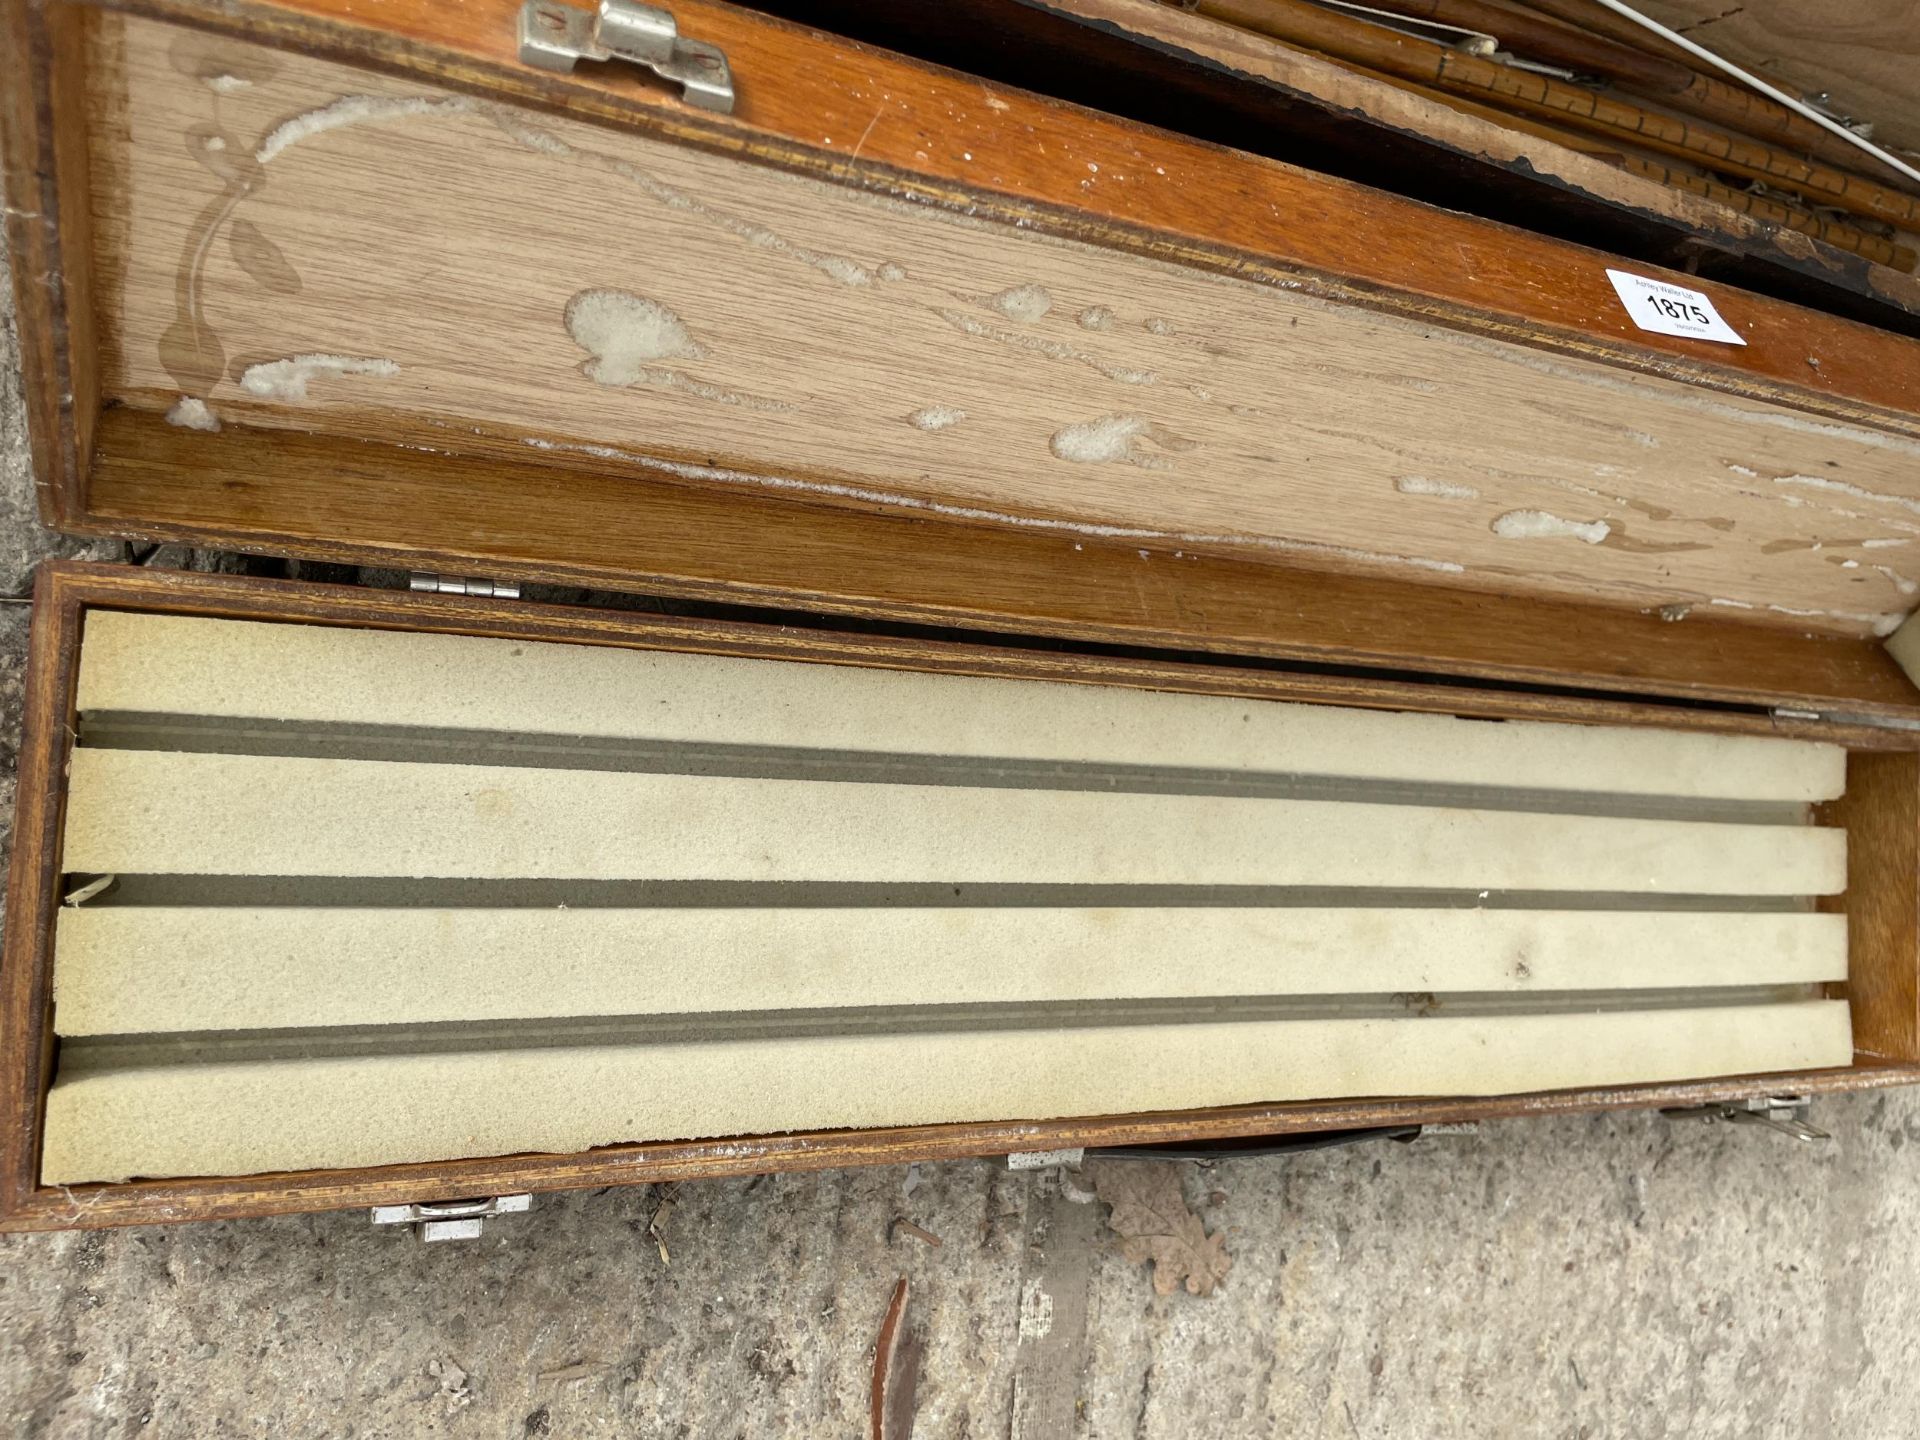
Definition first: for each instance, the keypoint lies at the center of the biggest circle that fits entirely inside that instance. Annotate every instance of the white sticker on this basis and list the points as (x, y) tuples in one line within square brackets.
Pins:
[(1671, 309)]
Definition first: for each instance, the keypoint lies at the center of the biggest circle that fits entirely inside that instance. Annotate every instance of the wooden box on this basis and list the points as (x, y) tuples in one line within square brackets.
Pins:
[(899, 348)]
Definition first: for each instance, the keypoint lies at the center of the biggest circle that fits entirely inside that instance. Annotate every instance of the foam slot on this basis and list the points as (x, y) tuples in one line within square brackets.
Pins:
[(297, 1114), (128, 969), (293, 674)]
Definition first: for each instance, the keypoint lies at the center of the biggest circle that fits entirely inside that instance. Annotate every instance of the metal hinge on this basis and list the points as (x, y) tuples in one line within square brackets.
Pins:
[(1841, 717), (555, 36), (451, 1219), (1784, 1114), (427, 580)]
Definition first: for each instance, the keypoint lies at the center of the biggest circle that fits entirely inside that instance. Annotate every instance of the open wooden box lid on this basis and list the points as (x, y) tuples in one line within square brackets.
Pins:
[(889, 341)]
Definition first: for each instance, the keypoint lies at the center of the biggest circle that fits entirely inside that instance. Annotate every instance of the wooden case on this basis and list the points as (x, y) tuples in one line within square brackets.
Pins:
[(1113, 578)]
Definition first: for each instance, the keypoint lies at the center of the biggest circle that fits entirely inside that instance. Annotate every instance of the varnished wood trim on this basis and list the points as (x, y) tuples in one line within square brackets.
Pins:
[(809, 103), (1881, 813), (596, 523), (68, 589), (26, 998), (43, 153)]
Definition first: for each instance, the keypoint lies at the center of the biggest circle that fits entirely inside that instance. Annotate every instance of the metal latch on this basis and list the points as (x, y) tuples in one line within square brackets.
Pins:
[(427, 580), (554, 36), (1785, 1114), (451, 1219)]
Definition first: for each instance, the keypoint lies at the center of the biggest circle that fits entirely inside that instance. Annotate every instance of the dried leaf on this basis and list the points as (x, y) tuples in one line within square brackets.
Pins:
[(262, 259), (1151, 1217), (655, 1229), (901, 1226)]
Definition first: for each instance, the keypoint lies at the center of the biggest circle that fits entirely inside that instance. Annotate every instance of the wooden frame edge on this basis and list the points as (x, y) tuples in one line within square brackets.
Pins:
[(53, 664)]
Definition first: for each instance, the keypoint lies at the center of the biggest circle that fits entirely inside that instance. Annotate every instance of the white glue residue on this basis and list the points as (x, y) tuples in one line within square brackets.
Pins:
[(1115, 439), (1881, 624), (357, 110), (1421, 485), (1900, 582), (1841, 487), (1539, 525), (625, 333), (190, 412), (936, 417), (1025, 303), (287, 379), (1095, 317)]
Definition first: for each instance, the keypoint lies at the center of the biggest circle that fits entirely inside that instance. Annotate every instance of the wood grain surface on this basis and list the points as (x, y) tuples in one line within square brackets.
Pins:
[(316, 247)]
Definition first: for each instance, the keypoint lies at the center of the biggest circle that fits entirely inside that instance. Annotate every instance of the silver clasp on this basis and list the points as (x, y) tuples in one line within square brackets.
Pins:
[(555, 36), (451, 1219)]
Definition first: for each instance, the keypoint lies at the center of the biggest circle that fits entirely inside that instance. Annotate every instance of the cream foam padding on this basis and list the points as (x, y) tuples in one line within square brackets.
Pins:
[(270, 815), (129, 969), (287, 672), (243, 1118)]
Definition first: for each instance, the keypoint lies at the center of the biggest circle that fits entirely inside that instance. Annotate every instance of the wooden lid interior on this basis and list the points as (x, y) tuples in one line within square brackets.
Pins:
[(1086, 379)]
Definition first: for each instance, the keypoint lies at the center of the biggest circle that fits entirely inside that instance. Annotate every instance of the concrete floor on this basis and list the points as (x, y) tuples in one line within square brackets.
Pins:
[(1620, 1276)]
